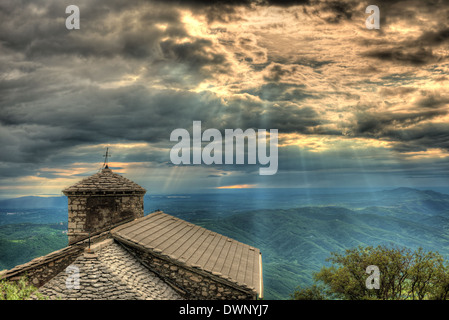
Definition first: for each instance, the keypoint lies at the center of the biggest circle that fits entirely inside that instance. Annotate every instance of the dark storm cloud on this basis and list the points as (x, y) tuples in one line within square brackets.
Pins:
[(193, 55), (118, 29), (435, 38), (276, 72), (407, 56), (41, 129), (37, 131), (108, 29), (214, 3), (422, 137), (281, 92), (421, 46), (131, 113), (213, 10), (411, 131), (14, 170), (338, 10), (51, 95), (431, 101), (377, 124)]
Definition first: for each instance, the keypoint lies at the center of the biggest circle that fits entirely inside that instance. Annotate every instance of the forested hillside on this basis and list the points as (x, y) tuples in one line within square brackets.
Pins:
[(295, 232)]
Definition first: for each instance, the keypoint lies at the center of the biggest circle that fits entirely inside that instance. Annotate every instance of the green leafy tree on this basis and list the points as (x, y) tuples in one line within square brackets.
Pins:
[(404, 274), (313, 292), (20, 290)]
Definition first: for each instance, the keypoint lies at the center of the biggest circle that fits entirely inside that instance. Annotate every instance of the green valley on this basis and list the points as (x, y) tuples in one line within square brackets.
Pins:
[(22, 242), (295, 231)]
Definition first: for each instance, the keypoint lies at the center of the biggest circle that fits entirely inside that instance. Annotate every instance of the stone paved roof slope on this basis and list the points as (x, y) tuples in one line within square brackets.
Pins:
[(111, 273), (195, 247), (104, 181)]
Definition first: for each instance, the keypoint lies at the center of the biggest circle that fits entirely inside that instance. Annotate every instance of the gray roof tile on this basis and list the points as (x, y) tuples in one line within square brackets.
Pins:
[(195, 247), (111, 274), (105, 181)]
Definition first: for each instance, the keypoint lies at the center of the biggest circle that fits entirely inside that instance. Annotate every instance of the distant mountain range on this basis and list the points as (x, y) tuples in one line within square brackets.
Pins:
[(34, 202), (294, 229), (258, 198), (296, 242)]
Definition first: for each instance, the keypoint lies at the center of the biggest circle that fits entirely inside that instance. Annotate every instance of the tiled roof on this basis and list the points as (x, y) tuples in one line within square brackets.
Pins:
[(105, 181), (110, 273), (195, 247)]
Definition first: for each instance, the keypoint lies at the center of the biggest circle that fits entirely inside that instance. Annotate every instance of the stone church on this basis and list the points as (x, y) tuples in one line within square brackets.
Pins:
[(116, 252)]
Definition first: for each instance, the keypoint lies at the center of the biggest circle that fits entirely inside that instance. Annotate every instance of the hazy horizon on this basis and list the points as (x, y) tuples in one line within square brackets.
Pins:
[(301, 191)]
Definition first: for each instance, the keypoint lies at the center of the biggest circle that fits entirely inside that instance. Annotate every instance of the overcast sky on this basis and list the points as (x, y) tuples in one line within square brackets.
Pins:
[(354, 107)]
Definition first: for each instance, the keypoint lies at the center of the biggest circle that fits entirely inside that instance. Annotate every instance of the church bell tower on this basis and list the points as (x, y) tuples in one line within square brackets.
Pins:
[(100, 202)]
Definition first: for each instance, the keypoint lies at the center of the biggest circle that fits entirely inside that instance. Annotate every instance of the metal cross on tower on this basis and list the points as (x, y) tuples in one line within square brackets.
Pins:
[(105, 164)]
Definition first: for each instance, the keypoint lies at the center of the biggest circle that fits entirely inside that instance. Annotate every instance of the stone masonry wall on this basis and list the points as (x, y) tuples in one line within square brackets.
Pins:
[(96, 213), (77, 218), (195, 283), (40, 270)]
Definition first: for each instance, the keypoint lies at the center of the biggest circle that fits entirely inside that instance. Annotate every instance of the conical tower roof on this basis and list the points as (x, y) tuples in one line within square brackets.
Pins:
[(105, 182)]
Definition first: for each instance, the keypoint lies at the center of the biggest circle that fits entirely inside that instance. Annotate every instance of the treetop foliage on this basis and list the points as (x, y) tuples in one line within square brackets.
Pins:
[(404, 275)]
